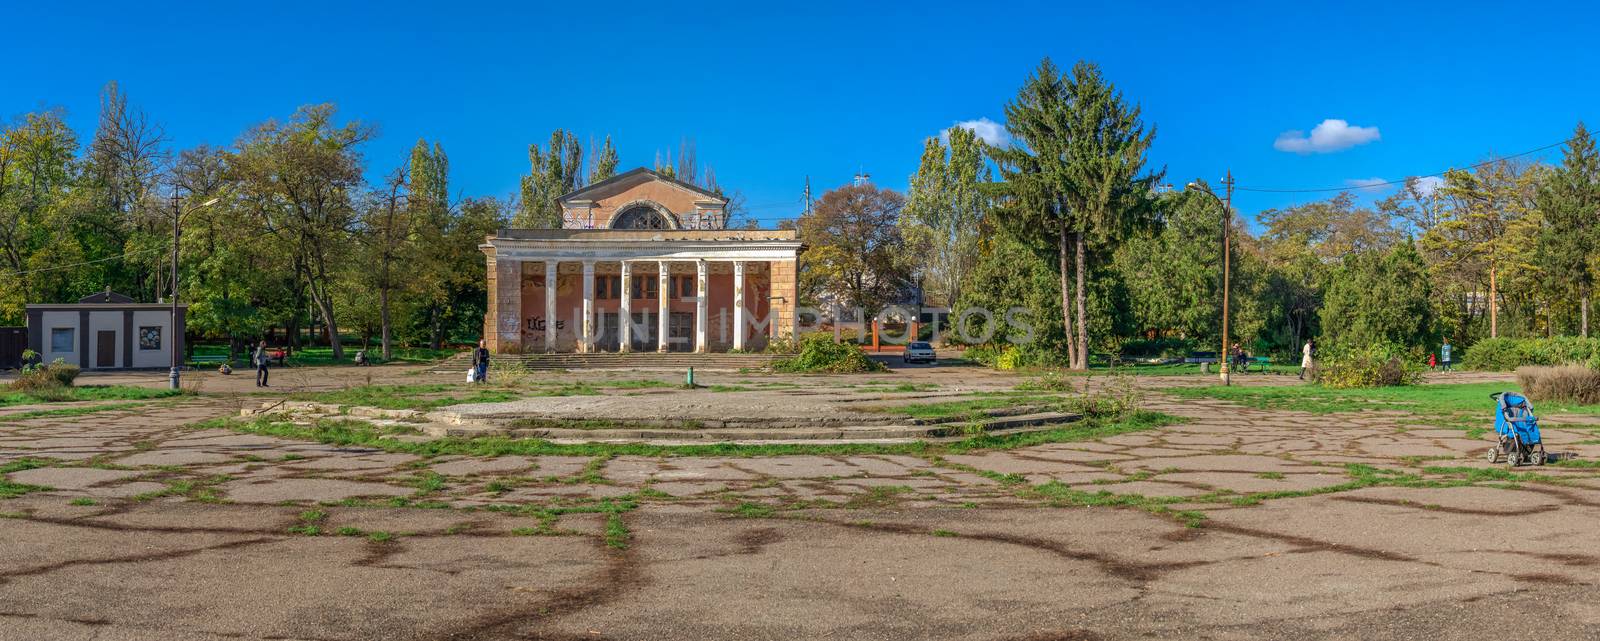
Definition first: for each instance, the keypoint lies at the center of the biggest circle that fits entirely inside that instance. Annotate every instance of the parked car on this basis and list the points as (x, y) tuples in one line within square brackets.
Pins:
[(920, 351)]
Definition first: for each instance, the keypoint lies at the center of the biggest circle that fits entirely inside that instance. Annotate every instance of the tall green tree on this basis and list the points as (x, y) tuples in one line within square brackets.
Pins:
[(944, 210), (1379, 297), (1487, 230), (1035, 180), (1107, 147), (553, 171), (605, 162), (1076, 171), (1569, 240), (301, 178)]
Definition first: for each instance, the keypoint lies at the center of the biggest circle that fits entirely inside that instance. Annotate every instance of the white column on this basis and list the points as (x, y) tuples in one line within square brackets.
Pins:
[(661, 297), (738, 304), (586, 340), (550, 305), (625, 310), (700, 308)]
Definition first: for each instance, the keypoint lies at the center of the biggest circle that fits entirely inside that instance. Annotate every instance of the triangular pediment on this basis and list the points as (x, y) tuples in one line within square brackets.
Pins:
[(630, 179)]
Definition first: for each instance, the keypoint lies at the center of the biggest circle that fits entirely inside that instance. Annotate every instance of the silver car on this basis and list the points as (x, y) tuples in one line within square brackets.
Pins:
[(920, 351)]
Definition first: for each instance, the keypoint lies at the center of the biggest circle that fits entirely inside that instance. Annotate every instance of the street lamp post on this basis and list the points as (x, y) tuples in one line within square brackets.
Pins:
[(1227, 261), (177, 215)]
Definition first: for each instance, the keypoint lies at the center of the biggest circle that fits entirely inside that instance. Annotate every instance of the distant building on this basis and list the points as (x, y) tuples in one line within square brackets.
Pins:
[(639, 246), (106, 331)]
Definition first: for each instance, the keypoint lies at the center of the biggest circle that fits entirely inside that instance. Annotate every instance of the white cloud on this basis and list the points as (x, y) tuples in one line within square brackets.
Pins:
[(1368, 185), (1429, 184), (988, 131), (1329, 136)]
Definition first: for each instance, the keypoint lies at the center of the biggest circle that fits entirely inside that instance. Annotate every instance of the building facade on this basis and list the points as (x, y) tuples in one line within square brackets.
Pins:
[(642, 263), (106, 331)]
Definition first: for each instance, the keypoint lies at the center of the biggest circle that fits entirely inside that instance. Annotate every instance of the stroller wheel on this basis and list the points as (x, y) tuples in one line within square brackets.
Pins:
[(1494, 454)]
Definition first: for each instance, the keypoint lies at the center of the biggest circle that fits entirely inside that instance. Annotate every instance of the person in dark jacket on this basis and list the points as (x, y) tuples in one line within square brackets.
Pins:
[(262, 358), (480, 363)]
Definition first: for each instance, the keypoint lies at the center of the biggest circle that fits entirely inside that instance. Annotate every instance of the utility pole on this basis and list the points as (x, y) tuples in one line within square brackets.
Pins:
[(172, 376), (808, 195), (862, 177), (1227, 269)]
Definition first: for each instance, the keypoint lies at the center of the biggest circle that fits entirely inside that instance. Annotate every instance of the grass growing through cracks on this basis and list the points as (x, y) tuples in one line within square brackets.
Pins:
[(348, 433)]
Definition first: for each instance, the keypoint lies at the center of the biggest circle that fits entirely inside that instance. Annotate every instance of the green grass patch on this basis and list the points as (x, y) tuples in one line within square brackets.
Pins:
[(10, 490), (1428, 400), (89, 393), (345, 433), (82, 502), (69, 411), (408, 397)]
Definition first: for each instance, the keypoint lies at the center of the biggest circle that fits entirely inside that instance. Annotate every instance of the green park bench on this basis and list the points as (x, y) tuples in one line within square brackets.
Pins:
[(208, 360)]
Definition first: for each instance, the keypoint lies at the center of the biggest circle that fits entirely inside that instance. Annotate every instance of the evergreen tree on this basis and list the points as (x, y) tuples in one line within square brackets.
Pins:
[(1034, 181), (1379, 298), (1106, 145), (1570, 202)]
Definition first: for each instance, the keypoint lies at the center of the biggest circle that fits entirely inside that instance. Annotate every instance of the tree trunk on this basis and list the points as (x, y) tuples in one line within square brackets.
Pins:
[(1083, 309), (1583, 306), (1066, 300), (325, 308), (383, 313), (436, 338), (1494, 304)]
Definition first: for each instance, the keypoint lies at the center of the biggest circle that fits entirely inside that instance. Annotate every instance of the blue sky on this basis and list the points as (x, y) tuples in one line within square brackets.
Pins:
[(773, 94)]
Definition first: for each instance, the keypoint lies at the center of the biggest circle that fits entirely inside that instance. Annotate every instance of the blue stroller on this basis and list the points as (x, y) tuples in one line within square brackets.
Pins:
[(1519, 431)]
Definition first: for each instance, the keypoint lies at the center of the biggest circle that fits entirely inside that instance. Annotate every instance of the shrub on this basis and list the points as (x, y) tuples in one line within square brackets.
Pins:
[(1376, 366), (41, 379), (1115, 399), (818, 353), (1507, 354), (1570, 383), (1009, 357), (783, 345), (985, 355)]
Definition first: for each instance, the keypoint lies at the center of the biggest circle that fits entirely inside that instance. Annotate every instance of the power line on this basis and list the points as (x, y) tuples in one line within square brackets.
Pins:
[(87, 262), (1403, 180)]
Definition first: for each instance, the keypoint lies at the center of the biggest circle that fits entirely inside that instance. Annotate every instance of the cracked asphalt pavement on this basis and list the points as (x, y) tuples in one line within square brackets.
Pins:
[(139, 527)]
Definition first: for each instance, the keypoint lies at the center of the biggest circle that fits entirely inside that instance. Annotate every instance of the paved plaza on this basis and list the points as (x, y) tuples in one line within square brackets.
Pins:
[(154, 529)]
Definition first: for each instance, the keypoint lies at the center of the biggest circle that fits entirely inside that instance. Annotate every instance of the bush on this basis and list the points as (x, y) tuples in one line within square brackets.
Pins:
[(1570, 383), (43, 378), (1117, 398), (985, 355), (1507, 354), (1009, 357), (818, 353), (1376, 366)]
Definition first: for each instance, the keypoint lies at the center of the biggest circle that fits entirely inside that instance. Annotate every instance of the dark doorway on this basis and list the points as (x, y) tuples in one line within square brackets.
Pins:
[(12, 341), (105, 349)]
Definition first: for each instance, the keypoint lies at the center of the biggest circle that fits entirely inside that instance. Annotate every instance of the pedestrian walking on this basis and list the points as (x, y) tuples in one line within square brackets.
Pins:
[(1433, 361), (480, 363), (1444, 355), (1305, 359), (262, 359)]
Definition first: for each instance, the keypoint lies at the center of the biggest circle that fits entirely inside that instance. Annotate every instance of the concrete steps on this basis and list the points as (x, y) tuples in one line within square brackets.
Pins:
[(632, 360), (445, 424)]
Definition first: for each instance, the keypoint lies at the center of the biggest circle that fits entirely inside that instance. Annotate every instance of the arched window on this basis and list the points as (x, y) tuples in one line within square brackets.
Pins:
[(640, 217)]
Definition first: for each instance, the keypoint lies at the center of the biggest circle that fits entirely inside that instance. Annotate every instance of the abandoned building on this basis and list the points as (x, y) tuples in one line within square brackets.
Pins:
[(645, 247), (106, 330)]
